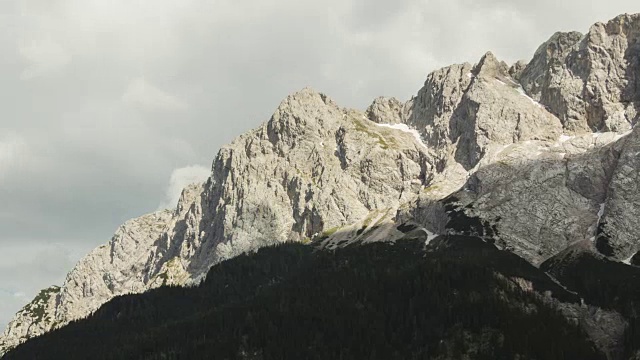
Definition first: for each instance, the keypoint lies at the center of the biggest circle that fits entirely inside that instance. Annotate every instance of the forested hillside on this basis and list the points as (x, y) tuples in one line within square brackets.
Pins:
[(459, 299)]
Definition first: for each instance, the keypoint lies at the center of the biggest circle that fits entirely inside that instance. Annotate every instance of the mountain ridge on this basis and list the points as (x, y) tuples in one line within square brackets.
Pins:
[(556, 132)]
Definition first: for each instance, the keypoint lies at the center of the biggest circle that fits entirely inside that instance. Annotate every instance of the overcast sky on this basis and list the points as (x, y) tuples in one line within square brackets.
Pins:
[(107, 108)]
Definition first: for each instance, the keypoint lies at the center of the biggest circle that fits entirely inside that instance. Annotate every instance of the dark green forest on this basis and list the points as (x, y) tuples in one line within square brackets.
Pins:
[(604, 283), (457, 300)]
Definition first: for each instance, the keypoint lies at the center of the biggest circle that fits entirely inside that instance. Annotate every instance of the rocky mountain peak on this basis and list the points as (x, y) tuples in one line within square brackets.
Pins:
[(589, 82), (490, 67), (386, 110), (304, 113)]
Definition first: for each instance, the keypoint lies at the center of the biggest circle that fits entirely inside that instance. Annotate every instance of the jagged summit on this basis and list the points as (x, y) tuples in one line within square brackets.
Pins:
[(537, 156), (589, 81), (386, 110), (490, 66)]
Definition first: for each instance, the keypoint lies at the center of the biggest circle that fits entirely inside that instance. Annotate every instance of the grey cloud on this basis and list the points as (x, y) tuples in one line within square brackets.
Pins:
[(141, 93), (12, 151), (179, 179), (42, 56)]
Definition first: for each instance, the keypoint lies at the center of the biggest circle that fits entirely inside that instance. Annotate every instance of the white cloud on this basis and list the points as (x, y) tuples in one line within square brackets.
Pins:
[(43, 57), (180, 178), (12, 151), (141, 93)]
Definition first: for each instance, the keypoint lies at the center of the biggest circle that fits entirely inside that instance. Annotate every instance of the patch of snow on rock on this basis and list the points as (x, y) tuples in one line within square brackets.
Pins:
[(600, 212), (430, 235), (407, 129), (523, 93), (619, 136), (565, 138), (595, 227)]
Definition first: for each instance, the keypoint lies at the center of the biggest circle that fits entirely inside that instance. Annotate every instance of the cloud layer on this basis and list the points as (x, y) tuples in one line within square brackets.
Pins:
[(180, 178), (140, 93), (103, 99)]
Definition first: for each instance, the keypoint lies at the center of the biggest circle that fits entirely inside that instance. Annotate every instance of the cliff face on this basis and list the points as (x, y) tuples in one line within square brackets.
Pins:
[(541, 155), (590, 82), (311, 168), (547, 147)]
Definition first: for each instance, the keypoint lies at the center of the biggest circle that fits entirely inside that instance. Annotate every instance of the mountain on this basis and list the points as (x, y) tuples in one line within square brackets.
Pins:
[(462, 297), (532, 158)]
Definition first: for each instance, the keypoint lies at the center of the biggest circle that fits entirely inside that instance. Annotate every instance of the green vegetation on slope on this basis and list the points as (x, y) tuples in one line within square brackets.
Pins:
[(376, 301)]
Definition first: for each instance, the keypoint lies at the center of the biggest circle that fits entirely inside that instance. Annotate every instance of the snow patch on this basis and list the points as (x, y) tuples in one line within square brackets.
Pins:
[(501, 149), (600, 212), (564, 138), (541, 149), (407, 129), (523, 93), (619, 136), (595, 226), (430, 235)]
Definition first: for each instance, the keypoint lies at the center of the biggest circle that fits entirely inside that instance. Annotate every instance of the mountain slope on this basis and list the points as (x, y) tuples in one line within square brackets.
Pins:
[(370, 301), (607, 284), (312, 167), (534, 156)]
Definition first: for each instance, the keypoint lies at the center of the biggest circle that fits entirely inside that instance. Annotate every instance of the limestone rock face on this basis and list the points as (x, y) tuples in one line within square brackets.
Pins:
[(590, 82), (34, 319), (386, 110), (119, 267), (433, 108), (535, 157), (463, 110), (313, 166), (618, 234), (113, 269), (536, 198)]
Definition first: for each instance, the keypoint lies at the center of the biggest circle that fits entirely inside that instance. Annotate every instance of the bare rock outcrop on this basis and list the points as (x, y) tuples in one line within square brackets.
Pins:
[(618, 234), (590, 82)]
